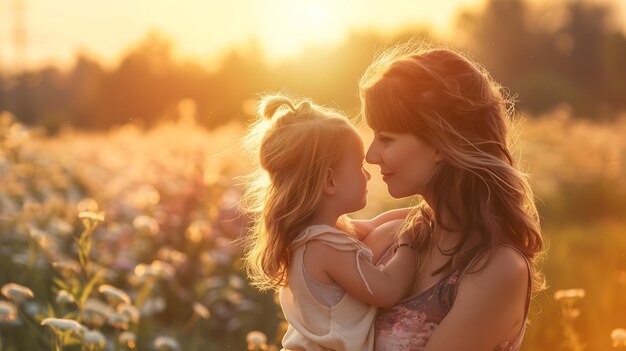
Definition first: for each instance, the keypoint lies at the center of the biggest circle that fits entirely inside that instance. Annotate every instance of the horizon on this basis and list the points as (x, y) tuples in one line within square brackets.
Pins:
[(197, 29), (113, 34)]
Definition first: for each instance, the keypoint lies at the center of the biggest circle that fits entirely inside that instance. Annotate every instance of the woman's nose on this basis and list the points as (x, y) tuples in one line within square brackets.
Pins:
[(372, 155), (368, 175)]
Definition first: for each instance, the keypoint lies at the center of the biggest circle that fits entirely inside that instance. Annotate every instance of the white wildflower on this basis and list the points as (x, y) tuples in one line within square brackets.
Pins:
[(16, 293), (165, 343), (201, 310), (113, 294)]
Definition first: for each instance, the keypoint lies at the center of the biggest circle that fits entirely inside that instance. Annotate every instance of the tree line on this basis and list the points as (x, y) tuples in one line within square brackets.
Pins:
[(569, 52)]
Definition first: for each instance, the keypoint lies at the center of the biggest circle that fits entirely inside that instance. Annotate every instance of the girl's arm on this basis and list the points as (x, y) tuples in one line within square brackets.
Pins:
[(363, 227), (388, 285), (489, 307)]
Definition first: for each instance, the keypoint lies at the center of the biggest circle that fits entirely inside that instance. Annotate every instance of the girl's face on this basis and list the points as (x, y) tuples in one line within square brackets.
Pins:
[(351, 178), (406, 162)]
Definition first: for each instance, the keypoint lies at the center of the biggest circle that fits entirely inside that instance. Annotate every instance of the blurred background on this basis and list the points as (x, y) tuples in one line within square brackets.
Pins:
[(134, 111)]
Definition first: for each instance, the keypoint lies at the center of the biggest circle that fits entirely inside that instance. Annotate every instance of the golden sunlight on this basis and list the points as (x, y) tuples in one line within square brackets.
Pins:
[(285, 27), (203, 29)]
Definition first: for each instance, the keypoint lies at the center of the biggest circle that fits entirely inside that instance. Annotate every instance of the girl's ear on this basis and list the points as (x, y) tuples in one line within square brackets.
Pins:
[(438, 156), (329, 183)]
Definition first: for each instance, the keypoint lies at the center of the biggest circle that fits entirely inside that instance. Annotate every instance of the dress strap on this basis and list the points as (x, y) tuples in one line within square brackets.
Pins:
[(359, 254)]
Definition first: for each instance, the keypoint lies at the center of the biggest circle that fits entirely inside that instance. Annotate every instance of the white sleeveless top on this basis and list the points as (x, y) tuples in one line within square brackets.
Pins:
[(345, 326)]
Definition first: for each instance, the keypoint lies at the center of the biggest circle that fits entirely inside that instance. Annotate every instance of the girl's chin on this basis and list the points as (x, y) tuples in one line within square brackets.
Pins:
[(358, 208)]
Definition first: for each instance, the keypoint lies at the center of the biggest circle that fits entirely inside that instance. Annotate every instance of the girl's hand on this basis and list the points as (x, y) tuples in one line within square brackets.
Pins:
[(364, 227), (382, 238)]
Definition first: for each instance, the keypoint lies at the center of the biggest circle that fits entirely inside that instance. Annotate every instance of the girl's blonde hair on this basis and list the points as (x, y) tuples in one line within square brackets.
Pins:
[(452, 103), (294, 146)]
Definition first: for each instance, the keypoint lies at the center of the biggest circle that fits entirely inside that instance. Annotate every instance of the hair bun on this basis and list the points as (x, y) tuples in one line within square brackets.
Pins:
[(271, 104), (304, 106)]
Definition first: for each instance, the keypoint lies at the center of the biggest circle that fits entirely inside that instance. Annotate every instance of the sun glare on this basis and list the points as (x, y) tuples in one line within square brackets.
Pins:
[(288, 27), (201, 28)]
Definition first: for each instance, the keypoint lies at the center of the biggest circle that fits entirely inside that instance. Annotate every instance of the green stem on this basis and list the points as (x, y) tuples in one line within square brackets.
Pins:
[(117, 340), (571, 337), (190, 323), (32, 256), (32, 325), (144, 292)]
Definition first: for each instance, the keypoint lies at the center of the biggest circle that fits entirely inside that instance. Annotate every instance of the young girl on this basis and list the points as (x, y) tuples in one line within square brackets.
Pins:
[(310, 175)]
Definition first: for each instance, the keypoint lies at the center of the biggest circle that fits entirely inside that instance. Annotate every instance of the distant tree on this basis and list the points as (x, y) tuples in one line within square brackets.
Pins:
[(241, 75), (597, 46), (575, 57), (140, 88), (85, 82), (574, 61)]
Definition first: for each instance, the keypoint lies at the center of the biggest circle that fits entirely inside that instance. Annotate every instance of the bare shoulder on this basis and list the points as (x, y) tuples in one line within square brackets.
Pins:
[(504, 272), (489, 304)]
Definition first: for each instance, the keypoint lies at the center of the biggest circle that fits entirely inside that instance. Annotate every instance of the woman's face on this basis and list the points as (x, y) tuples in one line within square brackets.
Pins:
[(406, 162)]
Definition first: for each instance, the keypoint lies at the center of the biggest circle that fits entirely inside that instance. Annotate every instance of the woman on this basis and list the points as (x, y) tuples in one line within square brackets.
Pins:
[(440, 131)]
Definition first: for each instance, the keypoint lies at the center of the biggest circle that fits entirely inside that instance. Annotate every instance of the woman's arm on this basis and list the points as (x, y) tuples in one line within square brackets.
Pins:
[(489, 306), (363, 227), (388, 285)]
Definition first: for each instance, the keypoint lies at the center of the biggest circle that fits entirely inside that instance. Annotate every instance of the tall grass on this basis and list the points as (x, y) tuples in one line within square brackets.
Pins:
[(123, 240)]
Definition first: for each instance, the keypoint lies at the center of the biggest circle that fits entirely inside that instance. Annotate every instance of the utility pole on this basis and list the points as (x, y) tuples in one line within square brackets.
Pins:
[(19, 67), (19, 35), (3, 68)]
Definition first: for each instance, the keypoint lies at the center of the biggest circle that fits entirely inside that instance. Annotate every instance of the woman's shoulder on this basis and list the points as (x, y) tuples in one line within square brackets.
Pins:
[(502, 273), (494, 293)]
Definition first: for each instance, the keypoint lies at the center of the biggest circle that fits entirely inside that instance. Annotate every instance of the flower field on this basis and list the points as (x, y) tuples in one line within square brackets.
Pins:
[(124, 240)]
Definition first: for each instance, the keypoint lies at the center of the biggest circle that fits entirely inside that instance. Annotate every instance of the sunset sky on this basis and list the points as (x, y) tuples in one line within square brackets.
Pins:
[(57, 30)]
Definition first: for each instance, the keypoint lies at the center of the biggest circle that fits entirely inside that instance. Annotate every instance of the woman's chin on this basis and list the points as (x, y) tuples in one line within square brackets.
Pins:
[(398, 193)]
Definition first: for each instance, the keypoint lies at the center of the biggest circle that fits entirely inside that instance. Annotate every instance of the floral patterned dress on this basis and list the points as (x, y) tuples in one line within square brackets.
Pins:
[(409, 325)]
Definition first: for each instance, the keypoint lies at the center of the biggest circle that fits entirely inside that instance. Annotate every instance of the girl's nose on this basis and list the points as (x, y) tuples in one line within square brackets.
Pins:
[(368, 175)]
